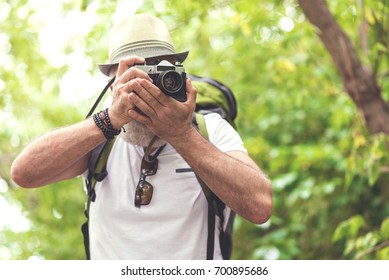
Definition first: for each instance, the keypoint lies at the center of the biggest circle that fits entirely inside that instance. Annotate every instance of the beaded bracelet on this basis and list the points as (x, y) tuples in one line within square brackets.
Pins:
[(103, 122)]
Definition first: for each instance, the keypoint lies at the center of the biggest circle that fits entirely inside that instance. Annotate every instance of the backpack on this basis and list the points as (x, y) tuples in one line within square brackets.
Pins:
[(212, 96)]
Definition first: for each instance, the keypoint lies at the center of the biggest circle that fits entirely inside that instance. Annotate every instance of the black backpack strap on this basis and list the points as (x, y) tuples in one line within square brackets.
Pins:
[(211, 232), (97, 168), (85, 234), (226, 237), (97, 171), (215, 207)]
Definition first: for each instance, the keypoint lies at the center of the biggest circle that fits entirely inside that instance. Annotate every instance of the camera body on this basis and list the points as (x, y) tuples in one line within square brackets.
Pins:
[(169, 78)]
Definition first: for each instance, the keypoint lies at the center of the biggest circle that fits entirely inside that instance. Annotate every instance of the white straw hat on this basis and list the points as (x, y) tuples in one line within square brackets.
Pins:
[(141, 35)]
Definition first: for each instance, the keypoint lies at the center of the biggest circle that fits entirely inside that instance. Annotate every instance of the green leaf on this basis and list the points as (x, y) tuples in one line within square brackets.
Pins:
[(385, 229), (349, 228)]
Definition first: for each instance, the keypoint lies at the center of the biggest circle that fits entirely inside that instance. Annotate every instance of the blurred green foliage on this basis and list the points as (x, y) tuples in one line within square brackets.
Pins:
[(330, 189)]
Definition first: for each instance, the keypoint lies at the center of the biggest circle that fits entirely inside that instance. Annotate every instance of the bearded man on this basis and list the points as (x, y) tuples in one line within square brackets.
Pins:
[(158, 211)]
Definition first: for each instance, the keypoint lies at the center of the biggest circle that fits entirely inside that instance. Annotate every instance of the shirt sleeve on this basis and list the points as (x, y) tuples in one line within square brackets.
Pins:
[(222, 134)]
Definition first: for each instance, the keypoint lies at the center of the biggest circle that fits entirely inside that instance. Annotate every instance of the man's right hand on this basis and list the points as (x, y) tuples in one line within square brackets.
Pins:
[(121, 89)]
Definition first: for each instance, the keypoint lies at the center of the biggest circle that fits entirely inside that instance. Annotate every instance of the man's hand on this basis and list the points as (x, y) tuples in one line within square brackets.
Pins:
[(121, 88), (163, 115)]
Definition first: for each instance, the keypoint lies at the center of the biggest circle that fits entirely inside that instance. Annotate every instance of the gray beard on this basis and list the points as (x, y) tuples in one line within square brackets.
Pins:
[(139, 135)]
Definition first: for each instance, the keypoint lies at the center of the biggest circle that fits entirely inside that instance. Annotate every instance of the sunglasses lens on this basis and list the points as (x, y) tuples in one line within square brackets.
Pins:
[(149, 168), (143, 193)]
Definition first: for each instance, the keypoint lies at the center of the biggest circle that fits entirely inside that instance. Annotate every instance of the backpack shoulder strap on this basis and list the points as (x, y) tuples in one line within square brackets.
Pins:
[(215, 205), (200, 123), (97, 171)]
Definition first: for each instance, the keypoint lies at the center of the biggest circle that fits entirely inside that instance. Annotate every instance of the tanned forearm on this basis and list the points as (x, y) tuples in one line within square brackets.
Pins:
[(57, 155), (233, 177)]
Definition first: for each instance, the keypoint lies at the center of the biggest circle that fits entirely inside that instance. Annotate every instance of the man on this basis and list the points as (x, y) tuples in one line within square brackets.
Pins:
[(159, 212)]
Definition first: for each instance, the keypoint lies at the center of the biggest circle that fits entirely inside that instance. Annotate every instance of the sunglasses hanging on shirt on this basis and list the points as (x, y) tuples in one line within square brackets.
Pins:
[(149, 167)]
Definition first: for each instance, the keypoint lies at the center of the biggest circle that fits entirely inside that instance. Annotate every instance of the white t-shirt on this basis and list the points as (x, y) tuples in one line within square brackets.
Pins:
[(174, 224)]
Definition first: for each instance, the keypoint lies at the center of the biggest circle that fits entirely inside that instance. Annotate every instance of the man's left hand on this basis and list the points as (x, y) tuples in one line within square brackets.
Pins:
[(163, 115)]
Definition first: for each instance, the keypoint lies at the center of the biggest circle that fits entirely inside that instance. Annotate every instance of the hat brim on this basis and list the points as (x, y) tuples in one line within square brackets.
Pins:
[(105, 68)]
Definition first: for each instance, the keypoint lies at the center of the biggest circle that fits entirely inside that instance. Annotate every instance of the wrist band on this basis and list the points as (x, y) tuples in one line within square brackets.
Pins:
[(103, 122)]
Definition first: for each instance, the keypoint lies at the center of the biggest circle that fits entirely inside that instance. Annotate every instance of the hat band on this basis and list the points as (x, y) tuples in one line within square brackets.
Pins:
[(134, 47)]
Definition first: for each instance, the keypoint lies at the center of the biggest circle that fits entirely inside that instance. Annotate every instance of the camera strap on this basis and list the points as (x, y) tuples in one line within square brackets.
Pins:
[(100, 97)]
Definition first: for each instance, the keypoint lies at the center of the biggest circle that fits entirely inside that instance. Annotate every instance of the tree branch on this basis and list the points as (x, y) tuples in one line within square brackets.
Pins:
[(372, 250), (359, 82)]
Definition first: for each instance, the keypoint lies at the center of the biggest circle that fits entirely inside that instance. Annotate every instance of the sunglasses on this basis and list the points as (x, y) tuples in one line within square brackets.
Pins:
[(157, 60), (144, 190)]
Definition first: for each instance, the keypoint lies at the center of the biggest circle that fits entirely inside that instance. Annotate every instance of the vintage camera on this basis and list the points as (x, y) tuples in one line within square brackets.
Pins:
[(169, 78)]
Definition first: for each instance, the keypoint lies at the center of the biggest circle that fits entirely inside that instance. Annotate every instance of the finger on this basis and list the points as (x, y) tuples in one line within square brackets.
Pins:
[(136, 116), (156, 93), (152, 94), (128, 62), (129, 102), (191, 92), (121, 94), (142, 104), (124, 88), (132, 73)]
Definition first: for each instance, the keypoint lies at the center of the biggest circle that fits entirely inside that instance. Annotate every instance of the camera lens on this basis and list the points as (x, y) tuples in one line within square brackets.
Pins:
[(170, 82)]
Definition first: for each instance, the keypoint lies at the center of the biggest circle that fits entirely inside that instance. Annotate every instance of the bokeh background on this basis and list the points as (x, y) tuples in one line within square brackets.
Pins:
[(329, 173)]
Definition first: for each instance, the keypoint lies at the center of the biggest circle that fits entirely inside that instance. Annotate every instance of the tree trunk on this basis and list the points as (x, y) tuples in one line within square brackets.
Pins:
[(359, 82)]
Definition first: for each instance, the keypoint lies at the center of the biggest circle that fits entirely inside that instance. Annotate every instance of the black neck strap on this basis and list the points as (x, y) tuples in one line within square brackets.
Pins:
[(100, 97)]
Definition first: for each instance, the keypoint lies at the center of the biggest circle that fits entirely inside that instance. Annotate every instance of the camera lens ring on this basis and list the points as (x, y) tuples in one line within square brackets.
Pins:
[(170, 82)]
